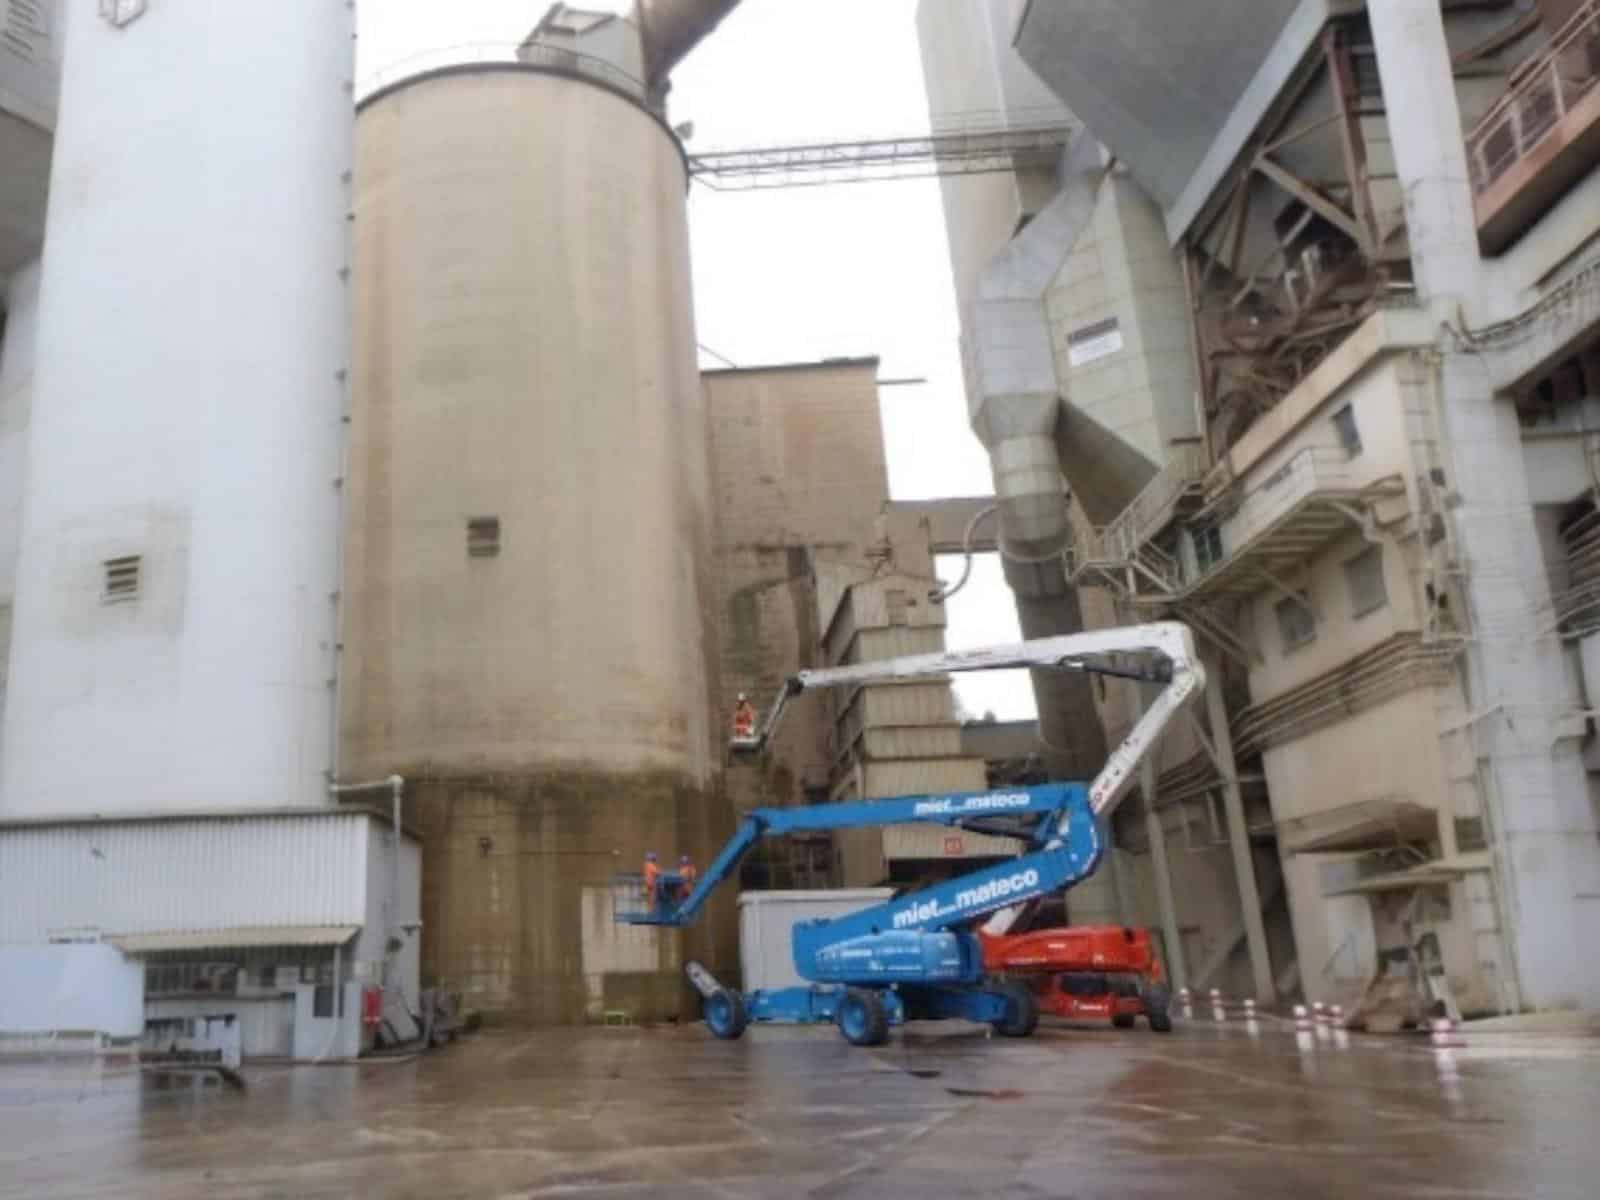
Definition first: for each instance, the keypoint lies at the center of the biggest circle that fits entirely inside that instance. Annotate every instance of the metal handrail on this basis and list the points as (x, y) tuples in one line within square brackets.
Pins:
[(1537, 101), (1126, 538), (531, 54)]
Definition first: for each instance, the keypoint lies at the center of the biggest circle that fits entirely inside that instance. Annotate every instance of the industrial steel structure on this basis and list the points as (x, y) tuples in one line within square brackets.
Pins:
[(1318, 286)]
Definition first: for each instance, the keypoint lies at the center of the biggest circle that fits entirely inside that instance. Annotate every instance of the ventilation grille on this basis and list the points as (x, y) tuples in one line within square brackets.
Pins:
[(23, 29), (483, 537), (121, 580)]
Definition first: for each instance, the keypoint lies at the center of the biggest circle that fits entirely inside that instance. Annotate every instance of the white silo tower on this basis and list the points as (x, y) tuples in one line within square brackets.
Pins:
[(174, 619)]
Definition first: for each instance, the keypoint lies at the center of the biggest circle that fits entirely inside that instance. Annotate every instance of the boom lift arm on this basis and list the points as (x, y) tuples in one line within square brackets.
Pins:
[(1177, 666), (1085, 652)]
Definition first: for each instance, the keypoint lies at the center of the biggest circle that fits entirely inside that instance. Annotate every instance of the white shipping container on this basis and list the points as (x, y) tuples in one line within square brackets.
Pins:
[(765, 922)]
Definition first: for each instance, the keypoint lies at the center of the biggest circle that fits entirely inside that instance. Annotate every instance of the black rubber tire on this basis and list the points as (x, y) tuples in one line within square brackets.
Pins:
[(1158, 1008), (1022, 1011), (862, 1018), (1122, 1020), (726, 1015)]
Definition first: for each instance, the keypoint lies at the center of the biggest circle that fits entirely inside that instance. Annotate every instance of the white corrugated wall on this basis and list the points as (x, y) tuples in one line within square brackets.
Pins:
[(183, 875)]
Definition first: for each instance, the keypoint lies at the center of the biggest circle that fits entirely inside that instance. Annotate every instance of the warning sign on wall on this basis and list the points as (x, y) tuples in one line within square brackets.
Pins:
[(1099, 340)]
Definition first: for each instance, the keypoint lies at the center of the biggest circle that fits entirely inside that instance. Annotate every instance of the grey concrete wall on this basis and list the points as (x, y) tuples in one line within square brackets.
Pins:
[(968, 68), (798, 478), (1547, 856), (16, 402), (524, 350)]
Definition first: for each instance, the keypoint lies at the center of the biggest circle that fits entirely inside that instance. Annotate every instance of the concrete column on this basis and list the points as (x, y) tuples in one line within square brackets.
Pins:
[(1176, 965), (1419, 100), (1119, 875), (1525, 729), (1244, 866)]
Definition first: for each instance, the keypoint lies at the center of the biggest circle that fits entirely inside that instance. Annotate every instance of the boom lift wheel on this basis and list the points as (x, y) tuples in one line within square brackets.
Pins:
[(1022, 1011), (726, 1016), (862, 1018), (1157, 1008)]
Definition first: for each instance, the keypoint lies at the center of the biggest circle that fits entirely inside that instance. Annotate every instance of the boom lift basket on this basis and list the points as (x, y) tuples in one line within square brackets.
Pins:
[(627, 897), (630, 905)]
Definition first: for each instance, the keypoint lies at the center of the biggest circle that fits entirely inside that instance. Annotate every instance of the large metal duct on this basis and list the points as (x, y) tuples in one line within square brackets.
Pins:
[(528, 638), (1011, 363), (1017, 411), (672, 28)]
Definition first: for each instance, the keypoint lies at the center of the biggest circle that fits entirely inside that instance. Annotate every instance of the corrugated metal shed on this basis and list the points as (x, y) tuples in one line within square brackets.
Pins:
[(187, 874)]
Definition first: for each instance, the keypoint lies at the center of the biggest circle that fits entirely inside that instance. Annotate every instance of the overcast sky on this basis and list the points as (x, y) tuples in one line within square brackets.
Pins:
[(805, 273)]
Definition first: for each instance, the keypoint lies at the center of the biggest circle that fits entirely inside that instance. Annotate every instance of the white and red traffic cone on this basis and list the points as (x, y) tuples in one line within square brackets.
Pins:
[(1444, 1035)]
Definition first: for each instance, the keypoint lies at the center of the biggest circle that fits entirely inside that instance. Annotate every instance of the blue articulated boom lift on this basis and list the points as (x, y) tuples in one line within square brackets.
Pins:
[(915, 957)]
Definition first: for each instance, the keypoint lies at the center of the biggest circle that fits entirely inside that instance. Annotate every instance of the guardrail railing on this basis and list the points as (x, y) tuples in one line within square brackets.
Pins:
[(1542, 91), (533, 54)]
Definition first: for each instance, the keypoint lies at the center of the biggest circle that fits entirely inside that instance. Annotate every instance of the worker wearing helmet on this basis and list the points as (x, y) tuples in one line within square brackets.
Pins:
[(686, 877), (744, 718), (652, 872)]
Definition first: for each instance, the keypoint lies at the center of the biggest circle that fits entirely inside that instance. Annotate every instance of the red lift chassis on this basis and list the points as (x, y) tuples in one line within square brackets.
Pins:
[(1086, 972)]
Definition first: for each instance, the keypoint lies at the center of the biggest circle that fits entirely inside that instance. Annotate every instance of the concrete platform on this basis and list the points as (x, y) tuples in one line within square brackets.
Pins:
[(1205, 1112)]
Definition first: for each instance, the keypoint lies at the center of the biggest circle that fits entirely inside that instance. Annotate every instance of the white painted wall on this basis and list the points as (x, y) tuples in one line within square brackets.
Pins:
[(192, 332), (77, 987), (370, 950), (30, 61), (766, 926)]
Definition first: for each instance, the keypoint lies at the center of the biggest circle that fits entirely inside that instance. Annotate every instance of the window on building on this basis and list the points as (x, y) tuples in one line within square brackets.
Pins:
[(898, 603), (1363, 578), (121, 582), (1296, 625), (1344, 424), (1470, 834), (178, 978), (483, 537), (1207, 546)]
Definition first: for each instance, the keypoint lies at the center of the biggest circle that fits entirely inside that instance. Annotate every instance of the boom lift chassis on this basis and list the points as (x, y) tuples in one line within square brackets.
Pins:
[(915, 957)]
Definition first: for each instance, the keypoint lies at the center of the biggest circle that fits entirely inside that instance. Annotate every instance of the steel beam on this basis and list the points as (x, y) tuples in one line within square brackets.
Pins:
[(1171, 938), (1239, 842)]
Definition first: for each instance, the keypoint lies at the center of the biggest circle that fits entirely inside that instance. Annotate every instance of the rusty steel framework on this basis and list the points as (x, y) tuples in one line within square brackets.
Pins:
[(1261, 326)]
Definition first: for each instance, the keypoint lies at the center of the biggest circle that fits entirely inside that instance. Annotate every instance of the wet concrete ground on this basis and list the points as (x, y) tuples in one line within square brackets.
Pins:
[(1083, 1112)]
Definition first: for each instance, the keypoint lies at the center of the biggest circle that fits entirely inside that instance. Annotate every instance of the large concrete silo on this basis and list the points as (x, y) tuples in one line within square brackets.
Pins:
[(526, 636)]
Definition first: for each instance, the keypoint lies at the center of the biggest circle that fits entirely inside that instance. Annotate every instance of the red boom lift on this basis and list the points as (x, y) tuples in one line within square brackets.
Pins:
[(1086, 971)]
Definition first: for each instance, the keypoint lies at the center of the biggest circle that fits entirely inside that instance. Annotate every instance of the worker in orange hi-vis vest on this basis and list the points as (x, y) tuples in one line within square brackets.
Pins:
[(652, 871), (744, 718), (686, 877)]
